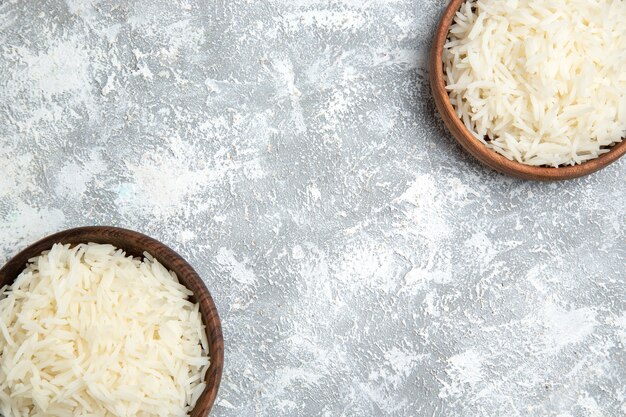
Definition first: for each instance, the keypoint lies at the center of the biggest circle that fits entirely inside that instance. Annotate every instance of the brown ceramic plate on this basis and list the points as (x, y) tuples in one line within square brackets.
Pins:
[(134, 243), (485, 155)]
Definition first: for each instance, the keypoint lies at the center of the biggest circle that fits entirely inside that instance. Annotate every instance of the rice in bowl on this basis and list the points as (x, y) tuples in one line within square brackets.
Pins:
[(540, 81), (87, 330)]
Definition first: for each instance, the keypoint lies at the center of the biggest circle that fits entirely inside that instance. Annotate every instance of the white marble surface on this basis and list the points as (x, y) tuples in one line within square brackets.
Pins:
[(363, 264)]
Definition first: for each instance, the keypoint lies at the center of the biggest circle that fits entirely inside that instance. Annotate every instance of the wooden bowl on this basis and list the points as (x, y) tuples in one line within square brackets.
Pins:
[(134, 243), (481, 152)]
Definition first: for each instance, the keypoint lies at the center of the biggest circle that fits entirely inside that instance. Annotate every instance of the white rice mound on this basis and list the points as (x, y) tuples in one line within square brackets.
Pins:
[(89, 331), (544, 80)]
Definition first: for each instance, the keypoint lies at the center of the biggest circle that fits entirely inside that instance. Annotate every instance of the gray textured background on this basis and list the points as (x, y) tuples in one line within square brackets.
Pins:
[(363, 264)]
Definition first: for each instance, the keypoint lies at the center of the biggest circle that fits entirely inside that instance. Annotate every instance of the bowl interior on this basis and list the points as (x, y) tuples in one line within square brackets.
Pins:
[(481, 152), (134, 243)]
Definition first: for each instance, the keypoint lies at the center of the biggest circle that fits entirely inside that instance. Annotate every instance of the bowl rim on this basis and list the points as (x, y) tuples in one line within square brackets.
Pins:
[(135, 243), (476, 148)]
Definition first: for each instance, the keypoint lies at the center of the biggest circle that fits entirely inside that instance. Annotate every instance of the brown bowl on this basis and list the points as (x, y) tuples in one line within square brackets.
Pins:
[(134, 243), (481, 152)]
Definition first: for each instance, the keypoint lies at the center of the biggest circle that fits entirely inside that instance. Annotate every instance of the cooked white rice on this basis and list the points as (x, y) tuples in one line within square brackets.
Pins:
[(88, 331), (544, 80)]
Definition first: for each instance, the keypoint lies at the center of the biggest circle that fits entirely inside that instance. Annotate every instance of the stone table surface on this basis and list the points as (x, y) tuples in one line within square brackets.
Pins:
[(362, 263)]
